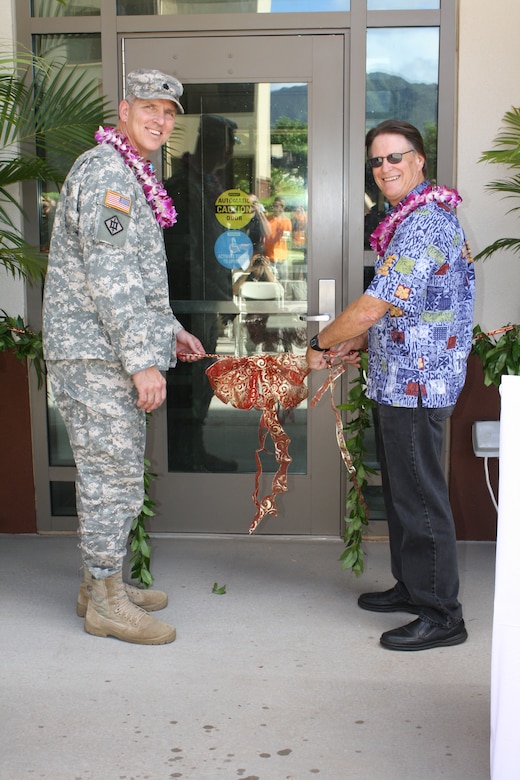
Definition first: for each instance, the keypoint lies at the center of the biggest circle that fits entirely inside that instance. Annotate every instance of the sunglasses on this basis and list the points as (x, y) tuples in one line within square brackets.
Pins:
[(393, 159)]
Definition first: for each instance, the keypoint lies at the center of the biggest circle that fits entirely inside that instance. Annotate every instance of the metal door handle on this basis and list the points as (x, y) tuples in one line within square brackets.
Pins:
[(316, 317), (326, 303)]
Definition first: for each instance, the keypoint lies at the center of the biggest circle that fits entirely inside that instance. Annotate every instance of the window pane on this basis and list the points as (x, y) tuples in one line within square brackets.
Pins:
[(81, 49), (63, 499), (83, 52), (236, 168), (60, 453), (70, 8), (161, 7), (402, 83), (402, 5)]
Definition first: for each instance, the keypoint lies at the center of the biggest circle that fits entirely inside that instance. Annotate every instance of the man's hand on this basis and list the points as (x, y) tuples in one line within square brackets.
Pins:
[(348, 351), (316, 360), (189, 348), (151, 388), (344, 351)]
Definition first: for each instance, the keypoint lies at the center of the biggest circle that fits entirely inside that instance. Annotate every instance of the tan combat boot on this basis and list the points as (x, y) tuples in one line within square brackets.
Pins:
[(150, 600), (111, 613)]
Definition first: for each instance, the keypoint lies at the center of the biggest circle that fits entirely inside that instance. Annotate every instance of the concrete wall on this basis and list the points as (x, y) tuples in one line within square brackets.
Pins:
[(489, 64)]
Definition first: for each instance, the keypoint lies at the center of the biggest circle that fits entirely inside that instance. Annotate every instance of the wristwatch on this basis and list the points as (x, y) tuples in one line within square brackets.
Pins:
[(315, 344)]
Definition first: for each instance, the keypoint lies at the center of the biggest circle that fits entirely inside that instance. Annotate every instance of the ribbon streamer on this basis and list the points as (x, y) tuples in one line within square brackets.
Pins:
[(263, 382), (336, 369)]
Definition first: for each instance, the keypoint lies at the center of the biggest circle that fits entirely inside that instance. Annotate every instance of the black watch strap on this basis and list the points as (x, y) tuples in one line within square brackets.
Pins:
[(315, 344)]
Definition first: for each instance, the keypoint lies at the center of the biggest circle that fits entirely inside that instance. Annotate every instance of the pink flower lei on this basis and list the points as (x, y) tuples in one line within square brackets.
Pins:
[(154, 192), (384, 232)]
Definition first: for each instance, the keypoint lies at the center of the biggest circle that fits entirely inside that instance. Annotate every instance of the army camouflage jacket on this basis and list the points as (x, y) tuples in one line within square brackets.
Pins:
[(106, 290)]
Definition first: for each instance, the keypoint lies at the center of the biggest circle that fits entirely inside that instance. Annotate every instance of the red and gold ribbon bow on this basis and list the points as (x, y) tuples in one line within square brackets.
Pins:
[(263, 382), (267, 382)]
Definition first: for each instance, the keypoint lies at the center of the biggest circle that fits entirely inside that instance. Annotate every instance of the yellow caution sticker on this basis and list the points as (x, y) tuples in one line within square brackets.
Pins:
[(233, 209)]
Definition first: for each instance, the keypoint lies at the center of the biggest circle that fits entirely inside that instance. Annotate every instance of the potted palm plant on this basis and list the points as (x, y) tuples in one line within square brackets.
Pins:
[(48, 115), (493, 355), (499, 351)]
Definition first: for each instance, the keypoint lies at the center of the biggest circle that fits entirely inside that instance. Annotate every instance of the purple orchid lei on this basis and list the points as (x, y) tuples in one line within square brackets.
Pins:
[(383, 234), (154, 192)]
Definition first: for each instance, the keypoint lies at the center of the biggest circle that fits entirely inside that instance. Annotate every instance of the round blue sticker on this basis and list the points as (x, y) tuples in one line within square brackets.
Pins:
[(234, 249)]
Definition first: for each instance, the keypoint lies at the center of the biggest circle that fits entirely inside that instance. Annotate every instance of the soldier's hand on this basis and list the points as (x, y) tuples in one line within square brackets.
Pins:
[(189, 348), (151, 388)]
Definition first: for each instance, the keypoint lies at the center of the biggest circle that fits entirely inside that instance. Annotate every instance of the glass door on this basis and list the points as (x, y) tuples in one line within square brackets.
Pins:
[(255, 169)]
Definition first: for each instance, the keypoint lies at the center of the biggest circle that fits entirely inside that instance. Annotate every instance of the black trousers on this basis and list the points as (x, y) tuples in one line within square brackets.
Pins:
[(420, 522)]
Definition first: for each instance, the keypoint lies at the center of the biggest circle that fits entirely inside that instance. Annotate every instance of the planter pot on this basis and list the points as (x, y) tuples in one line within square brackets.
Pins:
[(17, 508), (473, 510)]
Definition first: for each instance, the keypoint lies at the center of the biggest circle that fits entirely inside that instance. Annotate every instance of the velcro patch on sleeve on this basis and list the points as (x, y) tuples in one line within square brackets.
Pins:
[(112, 227), (117, 201)]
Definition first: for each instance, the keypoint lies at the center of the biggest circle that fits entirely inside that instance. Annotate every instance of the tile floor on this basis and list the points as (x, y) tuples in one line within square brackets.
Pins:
[(281, 678)]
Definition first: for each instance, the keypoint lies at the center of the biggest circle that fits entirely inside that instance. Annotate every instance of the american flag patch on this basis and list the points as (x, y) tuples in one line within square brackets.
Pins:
[(117, 201)]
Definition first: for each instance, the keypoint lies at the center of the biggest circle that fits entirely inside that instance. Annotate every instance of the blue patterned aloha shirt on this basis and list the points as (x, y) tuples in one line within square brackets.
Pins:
[(422, 343)]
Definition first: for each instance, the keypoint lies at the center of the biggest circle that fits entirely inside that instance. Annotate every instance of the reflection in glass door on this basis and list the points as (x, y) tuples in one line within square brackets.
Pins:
[(255, 167), (236, 259)]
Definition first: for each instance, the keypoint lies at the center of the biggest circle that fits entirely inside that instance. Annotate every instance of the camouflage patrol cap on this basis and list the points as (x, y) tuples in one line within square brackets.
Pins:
[(154, 85)]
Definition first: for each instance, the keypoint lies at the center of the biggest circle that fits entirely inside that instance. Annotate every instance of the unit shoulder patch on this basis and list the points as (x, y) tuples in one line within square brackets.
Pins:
[(113, 226)]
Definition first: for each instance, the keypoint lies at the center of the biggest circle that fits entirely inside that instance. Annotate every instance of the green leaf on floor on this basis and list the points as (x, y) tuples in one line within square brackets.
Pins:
[(219, 590)]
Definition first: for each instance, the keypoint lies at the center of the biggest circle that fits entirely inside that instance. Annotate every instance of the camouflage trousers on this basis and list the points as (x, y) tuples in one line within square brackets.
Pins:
[(107, 434)]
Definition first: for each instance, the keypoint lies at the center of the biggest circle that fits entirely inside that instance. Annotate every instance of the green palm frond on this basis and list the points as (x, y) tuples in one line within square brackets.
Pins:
[(55, 112), (506, 152), (510, 157), (513, 244), (507, 142), (508, 188), (19, 258), (48, 115), (23, 57), (67, 112), (17, 169)]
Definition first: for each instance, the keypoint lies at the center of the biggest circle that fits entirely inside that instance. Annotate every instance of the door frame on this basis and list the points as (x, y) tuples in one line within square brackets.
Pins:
[(319, 60)]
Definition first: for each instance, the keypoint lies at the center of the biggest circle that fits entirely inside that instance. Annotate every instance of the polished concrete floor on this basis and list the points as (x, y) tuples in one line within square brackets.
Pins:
[(280, 678)]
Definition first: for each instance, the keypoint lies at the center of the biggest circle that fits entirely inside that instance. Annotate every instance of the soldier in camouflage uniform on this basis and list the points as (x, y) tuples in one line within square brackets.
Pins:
[(109, 332)]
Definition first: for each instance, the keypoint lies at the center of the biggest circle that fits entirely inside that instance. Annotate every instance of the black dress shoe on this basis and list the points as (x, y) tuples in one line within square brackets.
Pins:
[(421, 635), (386, 601)]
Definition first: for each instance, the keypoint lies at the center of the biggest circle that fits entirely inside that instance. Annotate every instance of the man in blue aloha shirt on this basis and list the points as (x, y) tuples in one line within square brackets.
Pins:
[(416, 317)]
